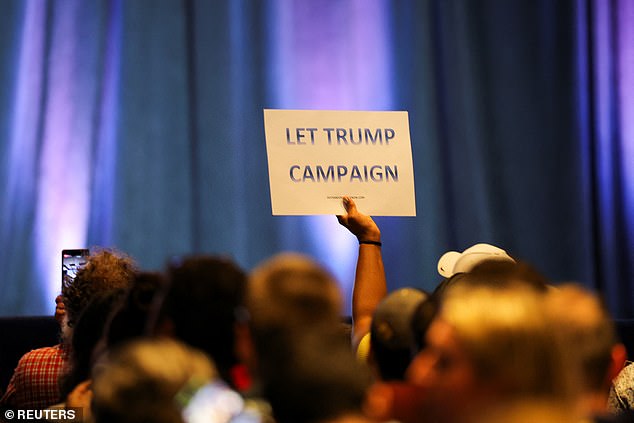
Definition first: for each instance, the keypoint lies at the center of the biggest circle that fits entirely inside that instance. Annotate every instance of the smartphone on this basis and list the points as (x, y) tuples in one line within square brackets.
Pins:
[(72, 261)]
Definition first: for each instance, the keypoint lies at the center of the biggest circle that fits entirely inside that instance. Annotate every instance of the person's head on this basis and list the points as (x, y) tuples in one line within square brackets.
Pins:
[(87, 332), (287, 293), (199, 304), (292, 288), (141, 381), (589, 336), (105, 271), (392, 336), (489, 343), (316, 378), (454, 262), (495, 271), (130, 319)]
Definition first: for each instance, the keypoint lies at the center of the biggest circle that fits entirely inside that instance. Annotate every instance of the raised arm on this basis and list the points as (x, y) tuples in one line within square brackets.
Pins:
[(369, 280)]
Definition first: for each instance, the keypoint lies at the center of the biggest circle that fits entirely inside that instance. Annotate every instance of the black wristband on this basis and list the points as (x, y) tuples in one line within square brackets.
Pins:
[(377, 243)]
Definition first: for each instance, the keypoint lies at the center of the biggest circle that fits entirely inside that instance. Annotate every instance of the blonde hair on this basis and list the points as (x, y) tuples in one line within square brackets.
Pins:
[(587, 330), (507, 337)]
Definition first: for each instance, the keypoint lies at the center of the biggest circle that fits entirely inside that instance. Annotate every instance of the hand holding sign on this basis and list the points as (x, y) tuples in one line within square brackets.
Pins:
[(360, 225)]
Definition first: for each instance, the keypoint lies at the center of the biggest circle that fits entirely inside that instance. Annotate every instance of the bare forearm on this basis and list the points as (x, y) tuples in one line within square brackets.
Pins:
[(369, 287), (369, 281)]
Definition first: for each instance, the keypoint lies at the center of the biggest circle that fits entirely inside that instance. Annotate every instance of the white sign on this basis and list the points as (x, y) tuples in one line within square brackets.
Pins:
[(316, 157)]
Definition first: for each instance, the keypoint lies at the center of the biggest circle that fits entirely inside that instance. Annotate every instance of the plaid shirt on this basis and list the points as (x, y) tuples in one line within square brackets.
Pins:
[(34, 382)]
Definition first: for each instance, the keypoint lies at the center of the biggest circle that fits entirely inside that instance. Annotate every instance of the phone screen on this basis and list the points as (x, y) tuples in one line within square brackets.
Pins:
[(72, 261)]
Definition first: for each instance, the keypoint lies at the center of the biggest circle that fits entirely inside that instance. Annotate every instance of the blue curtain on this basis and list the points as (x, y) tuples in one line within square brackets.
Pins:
[(138, 125)]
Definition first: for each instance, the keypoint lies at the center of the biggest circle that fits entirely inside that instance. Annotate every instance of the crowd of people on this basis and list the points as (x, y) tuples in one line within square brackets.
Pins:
[(206, 341)]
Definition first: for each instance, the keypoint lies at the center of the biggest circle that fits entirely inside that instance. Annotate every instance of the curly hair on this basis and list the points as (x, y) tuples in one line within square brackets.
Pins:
[(105, 271)]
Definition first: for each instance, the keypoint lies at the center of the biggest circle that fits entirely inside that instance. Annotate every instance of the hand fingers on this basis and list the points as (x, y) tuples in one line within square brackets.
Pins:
[(349, 205)]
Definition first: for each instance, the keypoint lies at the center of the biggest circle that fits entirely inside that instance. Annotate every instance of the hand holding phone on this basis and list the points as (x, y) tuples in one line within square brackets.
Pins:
[(60, 310)]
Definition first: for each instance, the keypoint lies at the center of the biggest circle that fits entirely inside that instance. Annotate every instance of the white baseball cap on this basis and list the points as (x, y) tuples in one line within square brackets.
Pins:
[(453, 262)]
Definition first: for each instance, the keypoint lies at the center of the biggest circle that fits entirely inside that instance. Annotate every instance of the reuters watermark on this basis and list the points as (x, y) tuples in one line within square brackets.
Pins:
[(52, 414)]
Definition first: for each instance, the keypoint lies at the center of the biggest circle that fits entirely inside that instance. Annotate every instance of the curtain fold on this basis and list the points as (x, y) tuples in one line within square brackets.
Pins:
[(138, 125), (611, 56)]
